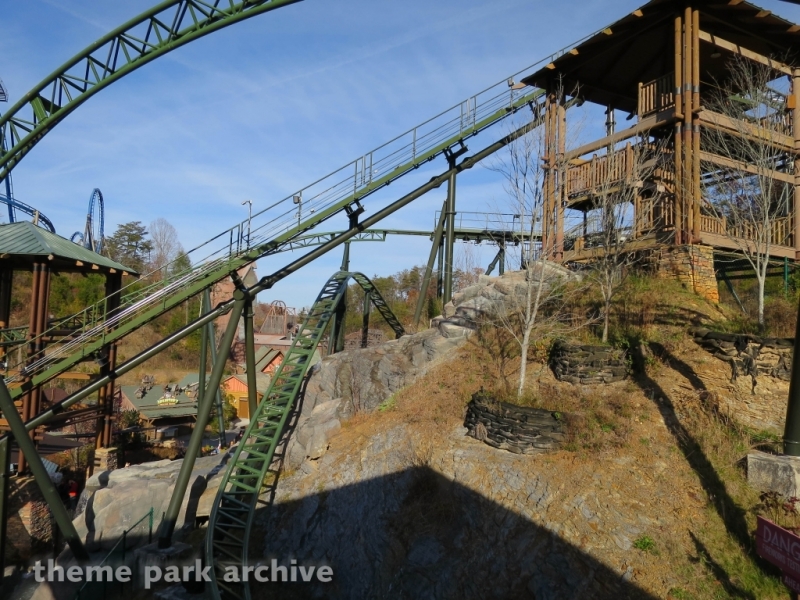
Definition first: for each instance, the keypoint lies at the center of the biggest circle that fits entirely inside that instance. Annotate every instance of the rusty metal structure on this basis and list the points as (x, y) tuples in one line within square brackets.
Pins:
[(658, 65)]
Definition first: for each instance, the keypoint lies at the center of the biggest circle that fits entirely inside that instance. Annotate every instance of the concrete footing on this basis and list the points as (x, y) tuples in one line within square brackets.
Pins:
[(774, 473)]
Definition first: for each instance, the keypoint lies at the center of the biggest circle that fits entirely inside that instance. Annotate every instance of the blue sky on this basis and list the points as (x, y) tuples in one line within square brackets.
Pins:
[(265, 107)]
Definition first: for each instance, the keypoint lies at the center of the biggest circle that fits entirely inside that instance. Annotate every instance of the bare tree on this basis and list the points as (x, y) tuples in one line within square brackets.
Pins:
[(165, 245), (623, 207), (746, 165), (534, 308)]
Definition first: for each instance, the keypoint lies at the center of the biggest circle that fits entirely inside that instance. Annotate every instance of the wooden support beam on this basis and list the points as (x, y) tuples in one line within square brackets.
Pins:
[(743, 129), (729, 163), (749, 54), (646, 124)]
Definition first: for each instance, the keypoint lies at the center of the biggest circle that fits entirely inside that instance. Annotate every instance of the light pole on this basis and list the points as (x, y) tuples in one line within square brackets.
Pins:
[(249, 216)]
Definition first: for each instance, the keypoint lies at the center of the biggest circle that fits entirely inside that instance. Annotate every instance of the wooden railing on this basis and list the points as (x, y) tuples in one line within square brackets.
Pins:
[(600, 172), (782, 229), (711, 224), (656, 95), (654, 214)]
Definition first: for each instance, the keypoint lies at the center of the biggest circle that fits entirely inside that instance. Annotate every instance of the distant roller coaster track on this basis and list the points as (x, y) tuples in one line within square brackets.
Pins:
[(154, 33)]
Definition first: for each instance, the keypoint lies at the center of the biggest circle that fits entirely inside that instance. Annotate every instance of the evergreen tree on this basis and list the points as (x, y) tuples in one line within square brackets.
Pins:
[(129, 245)]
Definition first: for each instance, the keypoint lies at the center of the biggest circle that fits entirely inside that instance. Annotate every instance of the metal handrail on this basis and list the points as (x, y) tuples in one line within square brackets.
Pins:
[(89, 586)]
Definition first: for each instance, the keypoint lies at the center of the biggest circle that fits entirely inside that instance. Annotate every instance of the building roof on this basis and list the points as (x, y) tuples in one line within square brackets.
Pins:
[(607, 66), (262, 381), (269, 339), (148, 405), (23, 242), (264, 356)]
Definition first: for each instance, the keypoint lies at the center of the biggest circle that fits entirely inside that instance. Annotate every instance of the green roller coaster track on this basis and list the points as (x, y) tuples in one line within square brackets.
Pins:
[(238, 246), (248, 471), (163, 28)]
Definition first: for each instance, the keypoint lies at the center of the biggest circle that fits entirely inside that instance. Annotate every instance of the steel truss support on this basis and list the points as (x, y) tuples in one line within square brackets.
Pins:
[(426, 280), (203, 413), (499, 259), (208, 341), (365, 319), (250, 359)]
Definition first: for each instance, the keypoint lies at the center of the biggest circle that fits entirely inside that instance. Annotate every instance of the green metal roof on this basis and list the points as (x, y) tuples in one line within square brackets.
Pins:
[(24, 240), (148, 405)]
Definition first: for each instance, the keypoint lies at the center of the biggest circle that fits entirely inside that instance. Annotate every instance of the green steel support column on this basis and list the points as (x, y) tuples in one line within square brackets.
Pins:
[(346, 257), (250, 359), (365, 319), (449, 243), (502, 254), (426, 280), (203, 412), (5, 488), (220, 416), (791, 432), (36, 467), (205, 305), (338, 331), (440, 271)]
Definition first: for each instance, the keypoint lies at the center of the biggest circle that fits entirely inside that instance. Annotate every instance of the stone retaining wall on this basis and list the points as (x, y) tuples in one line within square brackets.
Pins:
[(692, 265), (760, 372), (518, 429), (588, 364), (746, 353)]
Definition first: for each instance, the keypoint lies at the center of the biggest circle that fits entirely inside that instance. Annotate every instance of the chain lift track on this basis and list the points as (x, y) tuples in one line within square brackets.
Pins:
[(249, 469)]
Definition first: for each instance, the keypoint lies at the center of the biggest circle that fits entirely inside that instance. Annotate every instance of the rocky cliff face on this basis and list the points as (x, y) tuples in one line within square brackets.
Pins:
[(462, 520), (360, 380)]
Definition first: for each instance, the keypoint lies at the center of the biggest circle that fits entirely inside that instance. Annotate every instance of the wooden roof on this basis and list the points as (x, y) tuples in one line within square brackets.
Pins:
[(607, 67)]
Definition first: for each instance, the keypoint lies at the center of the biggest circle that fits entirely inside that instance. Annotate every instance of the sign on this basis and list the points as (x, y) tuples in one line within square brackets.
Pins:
[(780, 547), (792, 584)]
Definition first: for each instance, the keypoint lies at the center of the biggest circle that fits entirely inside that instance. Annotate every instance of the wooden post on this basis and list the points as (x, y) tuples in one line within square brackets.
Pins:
[(678, 137), (548, 183), (696, 191), (686, 224), (561, 194), (796, 135)]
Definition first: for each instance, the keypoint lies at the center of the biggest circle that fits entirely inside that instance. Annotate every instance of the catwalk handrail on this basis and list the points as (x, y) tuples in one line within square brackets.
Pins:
[(269, 229)]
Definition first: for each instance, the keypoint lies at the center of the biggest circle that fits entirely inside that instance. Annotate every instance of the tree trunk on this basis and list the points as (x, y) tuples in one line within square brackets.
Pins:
[(523, 360), (761, 281)]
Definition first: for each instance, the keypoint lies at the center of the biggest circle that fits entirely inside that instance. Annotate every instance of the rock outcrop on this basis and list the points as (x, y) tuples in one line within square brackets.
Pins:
[(360, 380), (460, 521), (112, 501)]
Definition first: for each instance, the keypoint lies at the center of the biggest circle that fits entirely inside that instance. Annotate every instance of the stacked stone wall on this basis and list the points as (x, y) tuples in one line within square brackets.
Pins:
[(692, 265), (518, 429), (588, 364), (768, 356), (760, 370)]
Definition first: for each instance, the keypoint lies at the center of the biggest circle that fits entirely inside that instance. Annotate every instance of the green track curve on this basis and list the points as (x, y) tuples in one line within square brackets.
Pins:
[(248, 471), (153, 33)]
